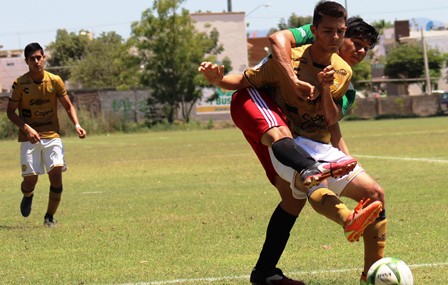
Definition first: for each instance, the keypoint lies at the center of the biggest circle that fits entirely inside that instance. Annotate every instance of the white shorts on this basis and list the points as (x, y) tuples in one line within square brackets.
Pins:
[(319, 151), (40, 158)]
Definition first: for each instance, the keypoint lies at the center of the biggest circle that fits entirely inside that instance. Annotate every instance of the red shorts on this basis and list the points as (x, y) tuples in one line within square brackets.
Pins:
[(254, 112)]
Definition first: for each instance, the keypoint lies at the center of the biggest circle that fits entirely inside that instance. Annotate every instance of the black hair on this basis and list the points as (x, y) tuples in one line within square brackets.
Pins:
[(33, 47), (328, 8), (357, 28)]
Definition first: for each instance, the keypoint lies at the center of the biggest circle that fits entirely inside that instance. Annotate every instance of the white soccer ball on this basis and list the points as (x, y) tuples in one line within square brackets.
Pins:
[(390, 271)]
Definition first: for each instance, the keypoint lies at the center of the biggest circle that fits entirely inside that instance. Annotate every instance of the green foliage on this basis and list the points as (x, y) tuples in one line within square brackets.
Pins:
[(65, 51), (292, 22), (88, 62), (169, 49), (103, 64), (381, 25), (406, 61), (361, 71), (7, 128)]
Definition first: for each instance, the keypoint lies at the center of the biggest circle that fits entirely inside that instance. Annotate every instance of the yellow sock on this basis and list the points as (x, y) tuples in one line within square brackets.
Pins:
[(374, 242), (326, 203)]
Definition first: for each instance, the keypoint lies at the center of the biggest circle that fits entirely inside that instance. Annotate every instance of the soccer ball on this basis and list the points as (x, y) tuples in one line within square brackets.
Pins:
[(390, 271)]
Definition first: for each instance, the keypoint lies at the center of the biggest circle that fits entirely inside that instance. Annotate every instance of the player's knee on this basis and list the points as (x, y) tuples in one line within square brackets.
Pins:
[(275, 134), (375, 192), (57, 190), (29, 182)]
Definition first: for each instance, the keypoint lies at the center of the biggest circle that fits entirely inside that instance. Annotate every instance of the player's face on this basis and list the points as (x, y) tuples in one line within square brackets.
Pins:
[(36, 61), (354, 50), (330, 33)]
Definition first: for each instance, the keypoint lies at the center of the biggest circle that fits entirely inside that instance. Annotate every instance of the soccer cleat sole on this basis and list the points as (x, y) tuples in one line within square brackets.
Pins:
[(338, 172)]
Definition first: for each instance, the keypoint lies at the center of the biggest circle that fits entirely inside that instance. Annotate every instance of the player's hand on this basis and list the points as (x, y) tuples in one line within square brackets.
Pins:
[(81, 132), (305, 90), (33, 136), (213, 73), (326, 76)]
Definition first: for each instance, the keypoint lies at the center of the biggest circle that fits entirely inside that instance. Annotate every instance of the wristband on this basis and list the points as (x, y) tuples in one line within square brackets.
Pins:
[(77, 126)]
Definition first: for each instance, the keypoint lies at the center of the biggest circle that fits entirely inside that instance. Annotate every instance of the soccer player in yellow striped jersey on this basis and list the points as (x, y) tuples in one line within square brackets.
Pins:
[(36, 95)]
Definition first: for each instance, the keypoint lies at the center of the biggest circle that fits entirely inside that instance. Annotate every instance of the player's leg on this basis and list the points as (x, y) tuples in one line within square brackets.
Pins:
[(277, 235), (27, 187), (323, 198), (53, 154), (253, 124), (32, 165), (260, 119), (364, 186)]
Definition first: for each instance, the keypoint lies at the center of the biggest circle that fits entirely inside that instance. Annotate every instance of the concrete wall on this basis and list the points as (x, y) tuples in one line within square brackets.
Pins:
[(131, 105), (422, 106)]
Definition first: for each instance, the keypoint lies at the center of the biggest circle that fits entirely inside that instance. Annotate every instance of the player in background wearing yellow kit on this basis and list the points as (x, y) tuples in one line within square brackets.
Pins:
[(36, 95)]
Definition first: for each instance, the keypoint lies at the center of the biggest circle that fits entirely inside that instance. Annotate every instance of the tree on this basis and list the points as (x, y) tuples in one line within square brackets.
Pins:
[(169, 49), (361, 72), (104, 64), (381, 25), (67, 49), (406, 61), (292, 22)]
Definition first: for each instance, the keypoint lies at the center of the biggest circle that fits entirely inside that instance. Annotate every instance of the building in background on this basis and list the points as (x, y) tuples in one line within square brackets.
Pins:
[(12, 65), (233, 37)]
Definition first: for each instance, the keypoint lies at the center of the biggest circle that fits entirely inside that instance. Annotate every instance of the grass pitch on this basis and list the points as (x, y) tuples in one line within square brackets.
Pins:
[(192, 207)]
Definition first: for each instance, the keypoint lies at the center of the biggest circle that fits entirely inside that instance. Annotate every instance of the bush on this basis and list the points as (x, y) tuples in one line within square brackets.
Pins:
[(7, 128)]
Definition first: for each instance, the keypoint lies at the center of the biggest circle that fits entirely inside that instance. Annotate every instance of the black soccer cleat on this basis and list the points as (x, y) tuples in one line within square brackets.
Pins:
[(25, 205)]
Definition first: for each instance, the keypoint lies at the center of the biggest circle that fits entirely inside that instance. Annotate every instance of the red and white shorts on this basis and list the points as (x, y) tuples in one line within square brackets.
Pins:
[(254, 112)]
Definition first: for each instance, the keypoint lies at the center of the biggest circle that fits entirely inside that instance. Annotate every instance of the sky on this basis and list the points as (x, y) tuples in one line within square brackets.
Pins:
[(37, 21)]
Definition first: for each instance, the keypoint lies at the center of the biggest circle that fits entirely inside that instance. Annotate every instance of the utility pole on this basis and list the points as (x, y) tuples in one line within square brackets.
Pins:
[(425, 60), (229, 5)]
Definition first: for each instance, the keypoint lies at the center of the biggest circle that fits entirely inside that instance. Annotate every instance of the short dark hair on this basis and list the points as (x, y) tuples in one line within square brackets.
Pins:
[(359, 29), (33, 47), (328, 8)]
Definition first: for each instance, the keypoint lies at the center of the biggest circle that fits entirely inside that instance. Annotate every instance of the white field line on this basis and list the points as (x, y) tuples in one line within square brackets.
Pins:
[(421, 159), (241, 277)]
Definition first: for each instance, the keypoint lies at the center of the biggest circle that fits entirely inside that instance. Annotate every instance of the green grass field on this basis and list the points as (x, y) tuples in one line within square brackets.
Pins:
[(192, 207)]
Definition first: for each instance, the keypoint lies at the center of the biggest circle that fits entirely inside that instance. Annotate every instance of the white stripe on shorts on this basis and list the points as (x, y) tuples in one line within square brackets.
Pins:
[(263, 107)]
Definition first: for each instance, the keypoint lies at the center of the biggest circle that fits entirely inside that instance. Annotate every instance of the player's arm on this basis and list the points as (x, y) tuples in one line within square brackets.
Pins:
[(336, 138), (331, 110), (281, 44), (72, 114), (214, 74), (11, 109)]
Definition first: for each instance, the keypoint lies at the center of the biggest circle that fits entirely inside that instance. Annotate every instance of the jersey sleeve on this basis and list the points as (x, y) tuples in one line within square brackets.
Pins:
[(346, 101), (262, 74), (16, 94), (303, 35), (60, 86)]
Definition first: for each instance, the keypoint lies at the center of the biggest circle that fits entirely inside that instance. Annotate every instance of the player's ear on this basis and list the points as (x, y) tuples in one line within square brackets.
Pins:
[(313, 29)]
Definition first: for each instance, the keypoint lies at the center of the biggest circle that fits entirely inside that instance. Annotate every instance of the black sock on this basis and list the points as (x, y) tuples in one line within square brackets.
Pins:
[(277, 236), (290, 154)]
